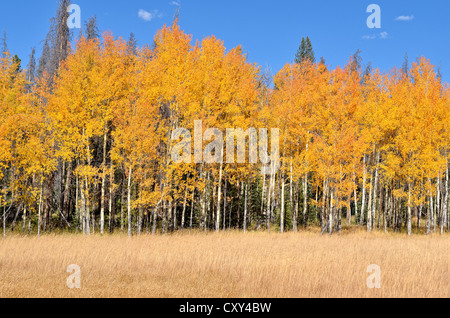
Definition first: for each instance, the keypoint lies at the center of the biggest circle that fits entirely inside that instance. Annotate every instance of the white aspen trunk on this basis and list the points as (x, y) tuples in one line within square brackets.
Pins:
[(339, 220), (282, 205), (363, 200), (438, 199), (86, 201), (409, 210), (175, 219), (155, 217), (386, 207), (349, 211), (263, 212), (192, 210), (140, 212), (87, 209), (129, 201), (163, 229), (4, 214), (445, 203), (111, 212), (77, 202), (219, 194), (269, 196), (305, 188), (183, 215), (291, 199), (245, 209), (419, 215), (324, 205), (369, 212), (316, 209), (430, 211), (330, 214), (305, 199), (296, 208), (24, 226), (39, 210), (225, 206), (203, 207), (207, 203), (67, 191), (122, 218), (102, 202), (355, 198), (374, 199), (83, 207)]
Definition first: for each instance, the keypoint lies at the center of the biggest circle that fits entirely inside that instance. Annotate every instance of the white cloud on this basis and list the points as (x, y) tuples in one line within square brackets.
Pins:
[(404, 18), (369, 37), (176, 3), (382, 35), (149, 16)]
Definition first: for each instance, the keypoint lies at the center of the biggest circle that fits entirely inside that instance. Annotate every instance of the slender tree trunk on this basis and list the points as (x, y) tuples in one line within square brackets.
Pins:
[(103, 189), (419, 215), (375, 188), (155, 218), (339, 220), (219, 194), (122, 200), (296, 208), (369, 211), (173, 214), (263, 193), (330, 213), (83, 207), (305, 200), (291, 198), (380, 206), (225, 206), (245, 208), (111, 199), (445, 203), (141, 213), (87, 209), (430, 211), (66, 198), (4, 212), (192, 210), (269, 196), (363, 200), (24, 226), (386, 207), (39, 210), (183, 214), (282, 204), (409, 209), (129, 201), (323, 215), (355, 198)]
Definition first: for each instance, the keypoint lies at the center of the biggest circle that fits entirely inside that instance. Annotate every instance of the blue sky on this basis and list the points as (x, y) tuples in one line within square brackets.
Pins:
[(269, 31)]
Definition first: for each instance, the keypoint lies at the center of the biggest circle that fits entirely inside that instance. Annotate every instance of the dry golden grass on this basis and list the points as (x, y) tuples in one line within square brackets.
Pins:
[(226, 265)]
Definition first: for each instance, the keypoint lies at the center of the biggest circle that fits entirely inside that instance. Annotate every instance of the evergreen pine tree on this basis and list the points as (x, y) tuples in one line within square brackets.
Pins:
[(305, 52)]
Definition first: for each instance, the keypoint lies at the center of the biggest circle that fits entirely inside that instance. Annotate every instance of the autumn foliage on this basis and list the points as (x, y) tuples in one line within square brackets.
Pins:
[(91, 147)]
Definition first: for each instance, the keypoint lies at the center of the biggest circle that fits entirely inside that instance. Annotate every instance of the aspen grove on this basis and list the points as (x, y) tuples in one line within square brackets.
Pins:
[(85, 144)]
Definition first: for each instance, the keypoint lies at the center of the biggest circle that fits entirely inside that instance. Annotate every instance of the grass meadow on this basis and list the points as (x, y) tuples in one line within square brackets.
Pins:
[(231, 264)]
